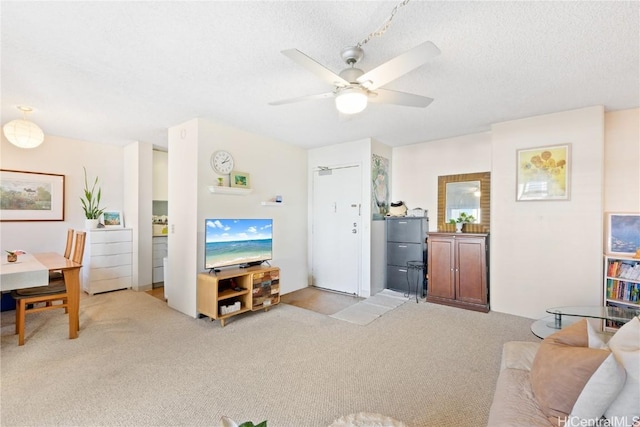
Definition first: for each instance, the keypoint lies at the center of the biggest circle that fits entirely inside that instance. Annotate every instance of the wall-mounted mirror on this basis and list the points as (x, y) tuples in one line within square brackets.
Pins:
[(468, 193)]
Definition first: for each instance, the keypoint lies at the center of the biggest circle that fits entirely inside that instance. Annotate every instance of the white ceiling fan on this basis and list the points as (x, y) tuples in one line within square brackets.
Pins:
[(353, 88)]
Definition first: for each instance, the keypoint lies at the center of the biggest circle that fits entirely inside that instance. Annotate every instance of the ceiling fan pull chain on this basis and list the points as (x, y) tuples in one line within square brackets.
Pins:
[(379, 32)]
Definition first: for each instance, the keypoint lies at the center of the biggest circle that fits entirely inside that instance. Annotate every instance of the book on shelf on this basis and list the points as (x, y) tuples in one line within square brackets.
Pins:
[(624, 269), (623, 291)]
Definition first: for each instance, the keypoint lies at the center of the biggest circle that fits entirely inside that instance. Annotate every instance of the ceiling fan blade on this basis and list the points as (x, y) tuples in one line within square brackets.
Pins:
[(315, 67), (303, 98), (386, 96), (398, 66)]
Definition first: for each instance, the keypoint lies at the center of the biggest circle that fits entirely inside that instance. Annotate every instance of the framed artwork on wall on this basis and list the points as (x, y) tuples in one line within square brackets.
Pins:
[(239, 179), (543, 173), (31, 196), (623, 233), (379, 187), (112, 219)]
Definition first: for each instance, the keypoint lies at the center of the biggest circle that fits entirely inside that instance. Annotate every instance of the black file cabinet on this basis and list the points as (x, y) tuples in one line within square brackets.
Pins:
[(407, 254)]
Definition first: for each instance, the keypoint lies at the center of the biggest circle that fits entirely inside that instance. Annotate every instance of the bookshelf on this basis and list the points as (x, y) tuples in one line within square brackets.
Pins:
[(621, 285)]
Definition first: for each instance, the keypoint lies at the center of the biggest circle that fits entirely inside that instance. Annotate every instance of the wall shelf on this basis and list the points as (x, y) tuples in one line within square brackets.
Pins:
[(215, 189), (271, 203)]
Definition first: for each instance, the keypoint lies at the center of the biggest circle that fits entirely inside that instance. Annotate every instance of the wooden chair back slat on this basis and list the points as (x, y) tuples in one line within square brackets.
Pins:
[(67, 249), (78, 251)]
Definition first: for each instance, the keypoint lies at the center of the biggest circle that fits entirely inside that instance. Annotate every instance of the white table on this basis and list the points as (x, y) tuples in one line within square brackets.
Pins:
[(27, 272), (32, 266)]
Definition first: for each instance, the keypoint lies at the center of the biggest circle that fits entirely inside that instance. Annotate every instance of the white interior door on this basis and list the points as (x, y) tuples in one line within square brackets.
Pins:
[(336, 229)]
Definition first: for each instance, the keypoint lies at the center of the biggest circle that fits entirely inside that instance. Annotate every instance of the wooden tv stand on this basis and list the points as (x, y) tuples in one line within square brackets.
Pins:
[(217, 299)]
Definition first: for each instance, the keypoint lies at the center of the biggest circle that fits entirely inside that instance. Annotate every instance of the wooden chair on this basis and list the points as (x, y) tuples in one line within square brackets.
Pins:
[(57, 275), (26, 299)]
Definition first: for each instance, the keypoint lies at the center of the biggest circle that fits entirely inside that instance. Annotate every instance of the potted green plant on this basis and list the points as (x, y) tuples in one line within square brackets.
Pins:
[(91, 202), (228, 422), (461, 221)]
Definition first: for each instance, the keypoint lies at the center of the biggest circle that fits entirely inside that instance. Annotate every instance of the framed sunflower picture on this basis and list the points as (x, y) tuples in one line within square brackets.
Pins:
[(543, 173)]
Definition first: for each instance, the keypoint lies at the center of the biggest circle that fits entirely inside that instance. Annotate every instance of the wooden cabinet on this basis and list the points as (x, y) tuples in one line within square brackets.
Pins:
[(107, 261), (459, 270), (621, 285), (238, 290)]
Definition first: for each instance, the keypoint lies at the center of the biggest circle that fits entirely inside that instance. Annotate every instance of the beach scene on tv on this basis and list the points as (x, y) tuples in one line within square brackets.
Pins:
[(237, 241)]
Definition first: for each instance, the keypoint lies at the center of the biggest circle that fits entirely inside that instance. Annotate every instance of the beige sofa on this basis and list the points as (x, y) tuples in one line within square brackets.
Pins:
[(513, 402), (532, 388)]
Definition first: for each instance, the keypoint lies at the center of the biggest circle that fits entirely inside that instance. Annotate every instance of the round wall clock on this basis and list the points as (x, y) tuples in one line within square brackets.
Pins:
[(222, 162)]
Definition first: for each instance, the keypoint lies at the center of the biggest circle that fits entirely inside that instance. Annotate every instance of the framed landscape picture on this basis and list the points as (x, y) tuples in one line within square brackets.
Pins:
[(112, 219), (31, 196), (623, 233), (543, 173)]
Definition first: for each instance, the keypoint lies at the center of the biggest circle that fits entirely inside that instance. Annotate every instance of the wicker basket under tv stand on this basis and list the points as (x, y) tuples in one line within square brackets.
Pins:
[(260, 290)]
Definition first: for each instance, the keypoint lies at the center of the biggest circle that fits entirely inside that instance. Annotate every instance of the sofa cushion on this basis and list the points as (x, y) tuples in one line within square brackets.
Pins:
[(518, 355), (513, 403), (625, 345), (570, 379)]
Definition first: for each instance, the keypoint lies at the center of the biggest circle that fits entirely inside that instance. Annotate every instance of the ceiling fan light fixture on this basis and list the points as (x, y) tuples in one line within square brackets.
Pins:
[(351, 100), (23, 133)]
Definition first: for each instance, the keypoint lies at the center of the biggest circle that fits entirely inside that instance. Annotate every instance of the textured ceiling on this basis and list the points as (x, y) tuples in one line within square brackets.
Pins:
[(117, 72)]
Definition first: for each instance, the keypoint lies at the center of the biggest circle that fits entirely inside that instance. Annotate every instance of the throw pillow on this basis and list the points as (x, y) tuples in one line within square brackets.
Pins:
[(569, 379), (625, 345)]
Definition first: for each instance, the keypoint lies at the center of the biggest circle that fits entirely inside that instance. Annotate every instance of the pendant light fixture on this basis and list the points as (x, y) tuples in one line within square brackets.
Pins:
[(23, 133)]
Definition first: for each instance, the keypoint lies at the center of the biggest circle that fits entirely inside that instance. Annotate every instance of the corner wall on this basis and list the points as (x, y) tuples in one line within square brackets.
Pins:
[(415, 169), (621, 160), (102, 160), (547, 253), (275, 168)]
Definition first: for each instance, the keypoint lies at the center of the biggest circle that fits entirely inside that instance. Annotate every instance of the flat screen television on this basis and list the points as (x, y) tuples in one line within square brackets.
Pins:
[(242, 242)]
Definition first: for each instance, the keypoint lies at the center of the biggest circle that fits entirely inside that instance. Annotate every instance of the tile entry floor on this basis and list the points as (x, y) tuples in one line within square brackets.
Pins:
[(319, 300)]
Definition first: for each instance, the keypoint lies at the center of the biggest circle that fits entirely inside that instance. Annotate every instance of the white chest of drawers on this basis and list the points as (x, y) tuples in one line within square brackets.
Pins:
[(159, 252), (107, 261)]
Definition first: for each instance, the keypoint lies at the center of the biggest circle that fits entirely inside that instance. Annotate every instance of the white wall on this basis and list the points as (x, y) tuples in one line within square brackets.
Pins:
[(160, 178), (67, 157), (378, 235), (137, 203), (182, 240), (553, 249), (415, 168), (275, 168), (548, 253), (621, 160)]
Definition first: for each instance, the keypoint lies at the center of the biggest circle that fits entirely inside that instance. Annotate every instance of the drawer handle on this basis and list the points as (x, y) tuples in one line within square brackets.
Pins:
[(404, 271), (402, 246)]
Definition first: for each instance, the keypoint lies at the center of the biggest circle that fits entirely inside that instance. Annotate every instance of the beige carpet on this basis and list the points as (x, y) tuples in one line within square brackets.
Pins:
[(139, 363)]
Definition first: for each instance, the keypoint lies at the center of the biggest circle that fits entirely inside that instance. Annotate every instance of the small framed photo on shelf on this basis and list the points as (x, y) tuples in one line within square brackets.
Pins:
[(239, 179), (543, 173), (112, 219), (623, 233)]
